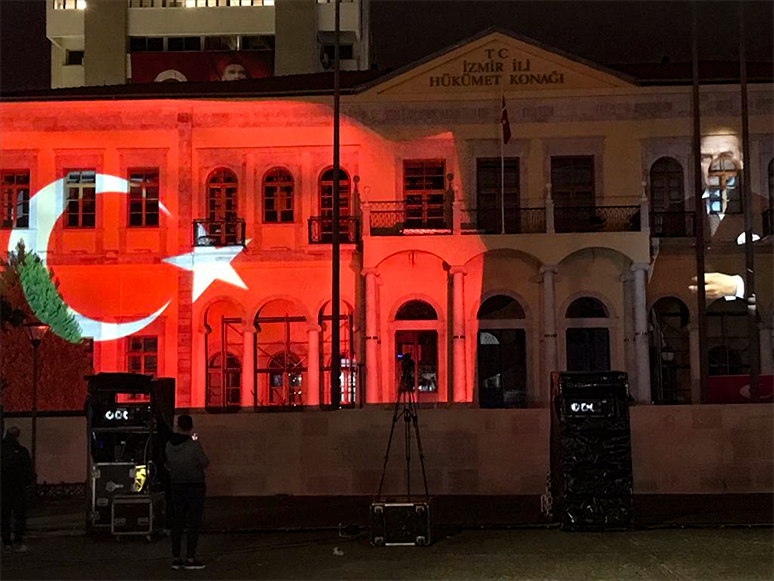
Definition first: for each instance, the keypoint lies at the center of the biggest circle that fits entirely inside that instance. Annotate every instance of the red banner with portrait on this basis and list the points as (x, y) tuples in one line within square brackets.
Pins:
[(736, 389), (193, 66)]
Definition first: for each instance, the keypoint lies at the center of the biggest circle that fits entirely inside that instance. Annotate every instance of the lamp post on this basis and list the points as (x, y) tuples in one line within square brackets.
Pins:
[(35, 331)]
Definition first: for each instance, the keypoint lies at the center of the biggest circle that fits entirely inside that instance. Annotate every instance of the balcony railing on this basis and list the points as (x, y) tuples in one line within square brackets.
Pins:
[(321, 230), (672, 224), (494, 221), (768, 222), (597, 219), (407, 217), (219, 232)]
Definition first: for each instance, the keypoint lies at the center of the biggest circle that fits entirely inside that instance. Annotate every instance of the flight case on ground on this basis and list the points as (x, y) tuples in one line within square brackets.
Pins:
[(395, 524), (137, 514), (108, 479)]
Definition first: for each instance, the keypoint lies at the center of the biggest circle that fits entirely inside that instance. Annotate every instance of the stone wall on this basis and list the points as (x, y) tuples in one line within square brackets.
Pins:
[(706, 449)]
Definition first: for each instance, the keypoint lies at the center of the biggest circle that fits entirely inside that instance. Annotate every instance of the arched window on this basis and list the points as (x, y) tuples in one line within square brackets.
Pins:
[(501, 353), (224, 381), (588, 338), (277, 196), (670, 352), (727, 338), (723, 187), (667, 198), (416, 311), (416, 351), (222, 212), (586, 308), (285, 380)]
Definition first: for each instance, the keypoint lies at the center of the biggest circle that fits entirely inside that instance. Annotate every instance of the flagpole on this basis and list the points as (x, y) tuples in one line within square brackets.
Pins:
[(502, 162)]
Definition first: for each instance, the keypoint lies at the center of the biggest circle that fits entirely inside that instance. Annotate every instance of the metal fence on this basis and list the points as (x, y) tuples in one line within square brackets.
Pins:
[(403, 218), (219, 232), (672, 224), (321, 230), (512, 221), (597, 219)]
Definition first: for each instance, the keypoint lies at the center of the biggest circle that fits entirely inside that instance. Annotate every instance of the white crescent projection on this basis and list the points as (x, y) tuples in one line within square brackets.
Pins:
[(46, 206)]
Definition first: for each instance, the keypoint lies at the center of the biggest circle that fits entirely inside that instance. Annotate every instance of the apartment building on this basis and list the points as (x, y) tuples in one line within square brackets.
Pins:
[(109, 42)]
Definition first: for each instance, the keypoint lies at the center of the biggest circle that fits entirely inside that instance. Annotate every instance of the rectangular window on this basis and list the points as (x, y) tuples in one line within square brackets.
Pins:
[(425, 195), (490, 195), (572, 189), (15, 199), (144, 197), (278, 197), (142, 355), (74, 57), (259, 42), (80, 198)]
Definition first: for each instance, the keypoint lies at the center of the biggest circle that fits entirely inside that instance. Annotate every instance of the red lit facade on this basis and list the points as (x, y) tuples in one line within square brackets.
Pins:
[(491, 264)]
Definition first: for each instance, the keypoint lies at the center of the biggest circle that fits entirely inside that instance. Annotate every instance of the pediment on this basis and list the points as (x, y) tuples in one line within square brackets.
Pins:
[(496, 63)]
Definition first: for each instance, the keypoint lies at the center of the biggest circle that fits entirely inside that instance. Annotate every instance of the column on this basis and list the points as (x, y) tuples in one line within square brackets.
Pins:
[(629, 348), (644, 208), (459, 383), (313, 367), (550, 354), (693, 346), (550, 220), (372, 338), (642, 394), (247, 398)]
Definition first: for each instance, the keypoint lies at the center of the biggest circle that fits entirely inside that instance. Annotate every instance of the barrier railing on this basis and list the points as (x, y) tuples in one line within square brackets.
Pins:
[(321, 230), (672, 224), (597, 219), (219, 232), (494, 221)]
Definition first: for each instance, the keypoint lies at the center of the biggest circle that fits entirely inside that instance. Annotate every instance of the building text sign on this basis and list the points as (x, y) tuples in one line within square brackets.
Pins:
[(498, 67)]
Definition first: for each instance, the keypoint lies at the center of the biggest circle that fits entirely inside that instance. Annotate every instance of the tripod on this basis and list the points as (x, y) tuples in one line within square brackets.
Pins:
[(406, 407)]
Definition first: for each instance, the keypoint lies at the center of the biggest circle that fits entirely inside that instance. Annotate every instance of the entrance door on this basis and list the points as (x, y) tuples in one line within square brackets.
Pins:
[(502, 368), (588, 349)]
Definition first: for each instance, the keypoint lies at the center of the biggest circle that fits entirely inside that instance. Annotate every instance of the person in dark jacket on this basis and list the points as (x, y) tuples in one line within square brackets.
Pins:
[(17, 474), (186, 462)]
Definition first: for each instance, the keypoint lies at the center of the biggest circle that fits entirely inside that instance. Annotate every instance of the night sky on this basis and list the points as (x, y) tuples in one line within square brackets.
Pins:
[(609, 32)]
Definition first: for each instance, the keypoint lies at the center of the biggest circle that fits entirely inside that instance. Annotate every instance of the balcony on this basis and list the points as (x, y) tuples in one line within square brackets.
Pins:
[(413, 216), (219, 232), (768, 222), (321, 230), (672, 224), (597, 219), (495, 221)]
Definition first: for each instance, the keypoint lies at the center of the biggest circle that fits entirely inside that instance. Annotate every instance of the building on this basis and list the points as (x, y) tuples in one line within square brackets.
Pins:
[(568, 247), (104, 42)]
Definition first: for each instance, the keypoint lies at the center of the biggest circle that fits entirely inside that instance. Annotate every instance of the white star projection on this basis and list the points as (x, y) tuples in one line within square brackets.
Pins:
[(208, 264)]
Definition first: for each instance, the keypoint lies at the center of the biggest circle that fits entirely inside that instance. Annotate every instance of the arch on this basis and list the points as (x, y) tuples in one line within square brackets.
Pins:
[(278, 187), (423, 252), (523, 303), (613, 254), (501, 306), (216, 301), (297, 309), (416, 310), (723, 192), (525, 257), (586, 307), (418, 297)]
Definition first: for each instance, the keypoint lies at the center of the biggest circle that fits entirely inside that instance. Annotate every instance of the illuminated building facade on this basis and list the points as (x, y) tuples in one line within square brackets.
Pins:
[(192, 233), (109, 42)]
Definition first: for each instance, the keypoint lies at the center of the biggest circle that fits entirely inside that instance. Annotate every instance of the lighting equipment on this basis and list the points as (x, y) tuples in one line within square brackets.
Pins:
[(35, 331), (403, 523)]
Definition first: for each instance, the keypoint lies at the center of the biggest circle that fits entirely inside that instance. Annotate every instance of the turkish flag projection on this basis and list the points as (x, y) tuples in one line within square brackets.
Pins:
[(736, 389), (150, 67)]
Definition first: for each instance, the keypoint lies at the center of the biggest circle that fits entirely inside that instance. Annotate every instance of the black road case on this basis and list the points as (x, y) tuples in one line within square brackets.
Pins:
[(137, 514), (395, 524)]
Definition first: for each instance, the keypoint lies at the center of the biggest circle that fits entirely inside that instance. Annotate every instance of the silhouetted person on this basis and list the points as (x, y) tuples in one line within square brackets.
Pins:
[(186, 462), (17, 474)]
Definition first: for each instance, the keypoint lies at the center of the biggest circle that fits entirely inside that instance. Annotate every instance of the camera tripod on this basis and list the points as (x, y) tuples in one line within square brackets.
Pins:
[(406, 407)]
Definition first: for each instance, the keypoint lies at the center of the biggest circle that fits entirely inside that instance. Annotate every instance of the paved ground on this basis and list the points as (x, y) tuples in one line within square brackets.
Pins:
[(705, 554)]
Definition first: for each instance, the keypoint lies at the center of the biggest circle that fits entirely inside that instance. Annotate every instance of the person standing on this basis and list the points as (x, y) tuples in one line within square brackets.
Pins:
[(17, 474), (186, 462)]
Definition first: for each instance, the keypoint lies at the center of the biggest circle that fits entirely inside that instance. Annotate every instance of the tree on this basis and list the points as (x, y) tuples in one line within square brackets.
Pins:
[(28, 289)]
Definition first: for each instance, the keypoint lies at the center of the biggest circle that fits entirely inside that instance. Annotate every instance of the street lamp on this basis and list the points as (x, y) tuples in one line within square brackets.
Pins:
[(35, 331)]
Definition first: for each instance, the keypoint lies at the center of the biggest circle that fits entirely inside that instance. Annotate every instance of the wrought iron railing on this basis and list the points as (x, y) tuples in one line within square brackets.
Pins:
[(494, 221), (426, 216), (321, 230), (597, 219), (219, 232), (768, 222), (671, 224)]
